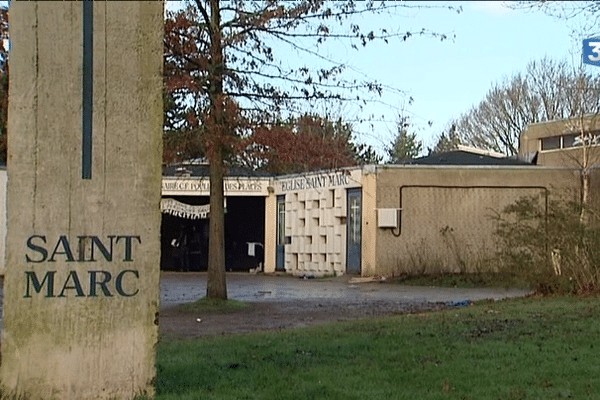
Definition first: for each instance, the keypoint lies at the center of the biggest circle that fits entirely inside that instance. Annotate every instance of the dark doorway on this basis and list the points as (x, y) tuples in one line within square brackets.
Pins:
[(184, 242), (244, 223)]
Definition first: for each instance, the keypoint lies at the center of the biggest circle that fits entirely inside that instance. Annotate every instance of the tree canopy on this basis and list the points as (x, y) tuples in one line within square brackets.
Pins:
[(302, 144)]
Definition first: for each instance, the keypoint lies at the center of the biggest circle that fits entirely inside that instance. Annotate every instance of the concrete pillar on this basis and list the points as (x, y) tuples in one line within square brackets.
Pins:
[(81, 289), (270, 230), (369, 252), (2, 219)]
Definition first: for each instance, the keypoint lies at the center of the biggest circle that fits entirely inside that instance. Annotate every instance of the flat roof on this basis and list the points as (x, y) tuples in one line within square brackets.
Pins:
[(461, 157)]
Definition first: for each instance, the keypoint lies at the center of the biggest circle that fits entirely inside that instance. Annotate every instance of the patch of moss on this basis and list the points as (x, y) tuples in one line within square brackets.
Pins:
[(206, 304)]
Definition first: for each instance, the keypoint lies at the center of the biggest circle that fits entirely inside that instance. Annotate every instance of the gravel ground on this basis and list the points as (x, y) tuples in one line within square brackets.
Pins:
[(283, 302)]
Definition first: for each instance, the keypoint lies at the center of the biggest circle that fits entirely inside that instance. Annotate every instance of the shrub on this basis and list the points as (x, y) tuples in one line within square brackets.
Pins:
[(546, 244)]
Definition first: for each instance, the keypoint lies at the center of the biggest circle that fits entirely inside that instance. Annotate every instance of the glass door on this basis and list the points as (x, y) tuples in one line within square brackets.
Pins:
[(354, 231)]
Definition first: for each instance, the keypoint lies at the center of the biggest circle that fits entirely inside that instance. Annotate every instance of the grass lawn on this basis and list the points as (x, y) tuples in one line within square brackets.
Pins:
[(517, 349)]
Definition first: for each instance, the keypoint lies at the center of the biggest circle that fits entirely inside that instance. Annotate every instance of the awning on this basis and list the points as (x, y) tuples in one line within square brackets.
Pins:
[(182, 210)]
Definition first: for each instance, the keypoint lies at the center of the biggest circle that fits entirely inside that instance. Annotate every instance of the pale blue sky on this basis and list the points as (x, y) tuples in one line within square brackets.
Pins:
[(447, 78)]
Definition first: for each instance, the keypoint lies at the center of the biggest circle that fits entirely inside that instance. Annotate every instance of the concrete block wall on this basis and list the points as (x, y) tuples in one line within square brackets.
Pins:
[(316, 233), (316, 221)]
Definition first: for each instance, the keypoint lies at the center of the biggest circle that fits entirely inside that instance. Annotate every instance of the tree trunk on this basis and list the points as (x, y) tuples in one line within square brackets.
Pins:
[(586, 139), (585, 197), (216, 286)]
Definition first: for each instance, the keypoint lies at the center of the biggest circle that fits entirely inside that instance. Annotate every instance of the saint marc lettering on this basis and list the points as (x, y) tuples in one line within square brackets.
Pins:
[(85, 248), (100, 284), (81, 249)]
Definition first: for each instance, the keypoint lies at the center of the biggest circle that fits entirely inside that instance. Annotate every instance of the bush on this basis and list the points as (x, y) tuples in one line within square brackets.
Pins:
[(546, 244)]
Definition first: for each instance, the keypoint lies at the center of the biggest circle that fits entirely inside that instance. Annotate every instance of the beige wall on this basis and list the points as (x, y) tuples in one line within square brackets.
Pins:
[(369, 224), (270, 232), (445, 216), (445, 222), (568, 157), (80, 324)]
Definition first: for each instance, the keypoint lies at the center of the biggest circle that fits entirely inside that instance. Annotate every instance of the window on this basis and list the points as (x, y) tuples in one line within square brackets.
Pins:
[(551, 143), (569, 140)]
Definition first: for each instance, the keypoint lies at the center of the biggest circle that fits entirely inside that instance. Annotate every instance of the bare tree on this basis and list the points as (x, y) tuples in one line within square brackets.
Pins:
[(550, 83), (547, 91), (497, 121), (588, 11)]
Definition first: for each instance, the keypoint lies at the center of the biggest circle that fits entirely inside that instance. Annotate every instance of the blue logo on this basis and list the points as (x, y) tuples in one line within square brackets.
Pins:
[(591, 51)]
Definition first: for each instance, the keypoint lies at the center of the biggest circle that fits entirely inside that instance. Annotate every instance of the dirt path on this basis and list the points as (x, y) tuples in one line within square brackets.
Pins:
[(271, 315)]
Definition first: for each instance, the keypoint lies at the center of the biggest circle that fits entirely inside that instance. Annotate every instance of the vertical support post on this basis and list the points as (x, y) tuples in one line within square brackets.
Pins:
[(83, 255)]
